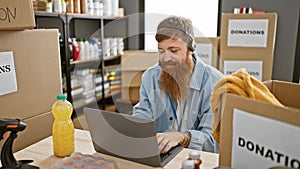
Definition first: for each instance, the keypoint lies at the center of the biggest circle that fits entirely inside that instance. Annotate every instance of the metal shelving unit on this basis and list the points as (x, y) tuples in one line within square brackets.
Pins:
[(65, 23)]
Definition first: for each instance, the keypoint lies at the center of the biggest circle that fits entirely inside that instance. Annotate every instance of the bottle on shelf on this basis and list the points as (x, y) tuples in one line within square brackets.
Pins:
[(75, 49), (63, 127), (86, 49), (63, 6), (84, 6), (114, 7), (95, 48), (81, 49), (195, 156), (91, 50), (90, 5), (57, 6), (107, 8), (70, 6), (77, 8)]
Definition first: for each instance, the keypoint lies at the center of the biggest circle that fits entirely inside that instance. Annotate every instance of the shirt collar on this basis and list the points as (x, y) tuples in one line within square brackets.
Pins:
[(197, 75)]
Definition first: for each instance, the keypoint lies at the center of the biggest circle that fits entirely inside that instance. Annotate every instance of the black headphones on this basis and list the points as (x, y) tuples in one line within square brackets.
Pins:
[(191, 44)]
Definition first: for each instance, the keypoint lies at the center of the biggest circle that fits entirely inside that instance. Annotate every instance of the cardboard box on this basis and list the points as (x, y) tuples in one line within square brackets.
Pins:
[(259, 65), (255, 134), (133, 65), (16, 14), (38, 72), (138, 60), (132, 78), (248, 33), (37, 128), (248, 37), (208, 50), (131, 93)]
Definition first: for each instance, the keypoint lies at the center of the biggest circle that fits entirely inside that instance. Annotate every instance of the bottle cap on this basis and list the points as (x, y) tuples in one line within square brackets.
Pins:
[(188, 164), (61, 97), (194, 155)]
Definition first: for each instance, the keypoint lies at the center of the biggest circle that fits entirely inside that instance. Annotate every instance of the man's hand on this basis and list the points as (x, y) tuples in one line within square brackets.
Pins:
[(168, 140)]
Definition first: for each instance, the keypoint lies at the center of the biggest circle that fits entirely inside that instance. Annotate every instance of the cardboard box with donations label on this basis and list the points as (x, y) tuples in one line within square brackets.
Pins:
[(248, 37), (16, 14), (208, 50), (255, 134), (35, 63)]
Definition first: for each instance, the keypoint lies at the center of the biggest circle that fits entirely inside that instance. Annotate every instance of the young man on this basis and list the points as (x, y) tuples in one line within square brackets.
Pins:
[(176, 91)]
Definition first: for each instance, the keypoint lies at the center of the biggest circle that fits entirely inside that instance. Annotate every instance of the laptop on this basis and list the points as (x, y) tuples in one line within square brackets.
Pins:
[(127, 137)]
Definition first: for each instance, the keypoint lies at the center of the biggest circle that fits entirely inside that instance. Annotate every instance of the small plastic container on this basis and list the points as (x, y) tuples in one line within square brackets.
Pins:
[(83, 161), (195, 156), (188, 164)]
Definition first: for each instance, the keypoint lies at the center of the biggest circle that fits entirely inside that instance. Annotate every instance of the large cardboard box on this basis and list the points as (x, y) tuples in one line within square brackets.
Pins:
[(248, 40), (133, 65), (138, 60), (208, 50), (132, 78), (38, 72), (255, 134), (16, 14), (37, 128), (259, 65)]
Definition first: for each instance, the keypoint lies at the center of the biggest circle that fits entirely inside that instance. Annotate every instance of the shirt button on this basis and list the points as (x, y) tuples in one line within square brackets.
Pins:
[(171, 118)]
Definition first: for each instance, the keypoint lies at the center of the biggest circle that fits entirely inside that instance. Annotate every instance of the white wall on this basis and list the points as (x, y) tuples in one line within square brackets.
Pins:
[(203, 13)]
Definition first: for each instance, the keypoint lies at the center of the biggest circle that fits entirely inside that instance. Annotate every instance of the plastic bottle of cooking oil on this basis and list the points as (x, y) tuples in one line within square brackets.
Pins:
[(63, 127)]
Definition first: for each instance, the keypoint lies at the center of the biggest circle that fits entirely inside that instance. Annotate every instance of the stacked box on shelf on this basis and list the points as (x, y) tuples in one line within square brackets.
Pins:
[(86, 80), (113, 74), (133, 65), (76, 92), (98, 85), (247, 40)]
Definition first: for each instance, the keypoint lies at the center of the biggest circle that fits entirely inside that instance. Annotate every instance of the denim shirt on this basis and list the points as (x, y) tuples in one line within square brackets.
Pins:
[(154, 104)]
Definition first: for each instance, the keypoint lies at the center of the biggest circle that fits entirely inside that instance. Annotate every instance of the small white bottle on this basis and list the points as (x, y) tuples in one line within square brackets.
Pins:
[(90, 7), (95, 46), (107, 7), (86, 49), (114, 7), (82, 51), (91, 50), (57, 6), (188, 164)]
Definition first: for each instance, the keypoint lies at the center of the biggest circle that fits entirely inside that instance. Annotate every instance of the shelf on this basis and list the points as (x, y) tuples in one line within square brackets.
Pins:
[(110, 94), (78, 62), (46, 14), (87, 16), (107, 58), (113, 93), (75, 15)]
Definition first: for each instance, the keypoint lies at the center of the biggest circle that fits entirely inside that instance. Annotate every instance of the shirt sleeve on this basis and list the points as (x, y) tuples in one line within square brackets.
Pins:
[(201, 133)]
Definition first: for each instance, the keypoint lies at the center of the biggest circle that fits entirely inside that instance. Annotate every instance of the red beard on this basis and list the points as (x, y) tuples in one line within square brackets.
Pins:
[(175, 81)]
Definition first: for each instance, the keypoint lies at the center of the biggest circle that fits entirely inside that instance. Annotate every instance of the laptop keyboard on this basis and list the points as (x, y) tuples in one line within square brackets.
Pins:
[(164, 156), (172, 152)]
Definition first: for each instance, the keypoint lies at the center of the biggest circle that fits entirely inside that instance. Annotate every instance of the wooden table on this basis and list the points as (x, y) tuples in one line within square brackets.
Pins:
[(42, 154)]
